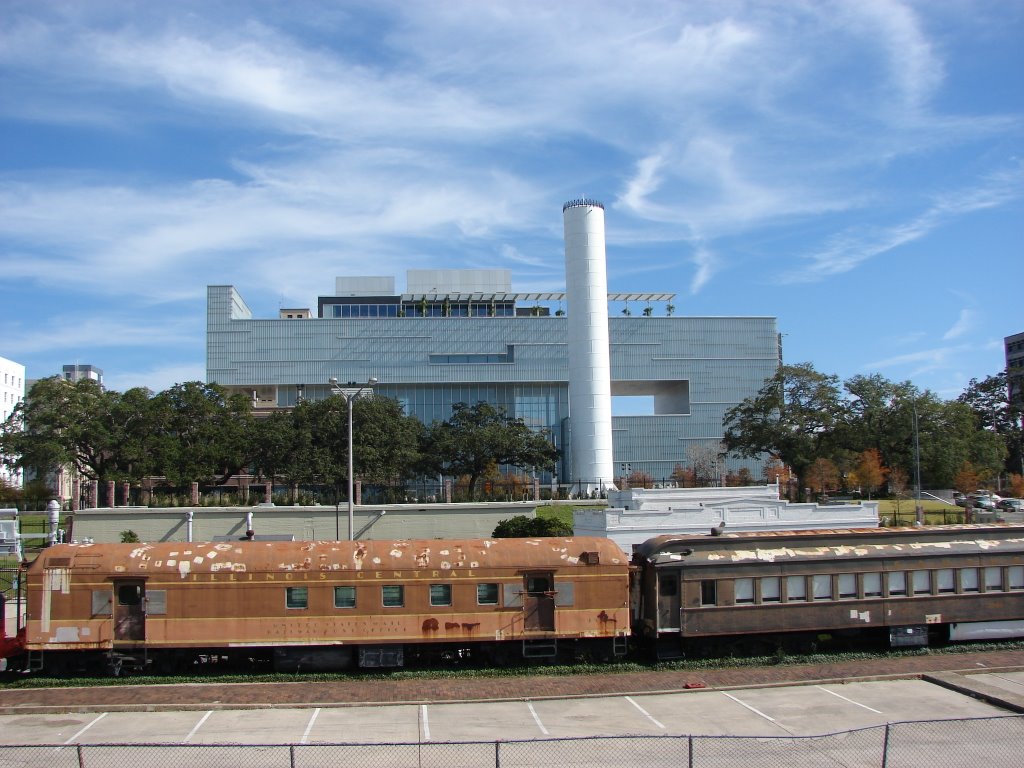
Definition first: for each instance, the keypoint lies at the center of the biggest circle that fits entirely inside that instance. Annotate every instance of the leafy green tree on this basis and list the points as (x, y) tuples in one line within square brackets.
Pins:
[(388, 446), (479, 436), (310, 443), (523, 527), (956, 439), (102, 434), (204, 432), (989, 401), (41, 432), (877, 415), (276, 445), (791, 418)]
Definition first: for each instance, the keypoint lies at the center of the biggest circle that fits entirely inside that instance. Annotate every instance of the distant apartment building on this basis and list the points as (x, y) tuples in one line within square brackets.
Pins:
[(12, 392), (78, 372), (1014, 346)]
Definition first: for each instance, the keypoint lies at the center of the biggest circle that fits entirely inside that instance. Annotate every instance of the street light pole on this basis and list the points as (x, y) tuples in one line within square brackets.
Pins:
[(917, 468), (350, 393)]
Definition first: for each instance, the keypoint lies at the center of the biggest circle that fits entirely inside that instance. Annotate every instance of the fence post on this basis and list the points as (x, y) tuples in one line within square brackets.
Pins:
[(291, 755), (497, 754), (885, 747), (689, 749), (81, 757)]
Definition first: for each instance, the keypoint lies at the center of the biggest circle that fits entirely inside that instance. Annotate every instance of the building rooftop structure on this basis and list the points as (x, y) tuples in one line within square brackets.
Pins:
[(635, 515)]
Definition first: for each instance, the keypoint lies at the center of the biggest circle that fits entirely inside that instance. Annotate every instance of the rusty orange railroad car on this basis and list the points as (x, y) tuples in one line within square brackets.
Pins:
[(324, 604)]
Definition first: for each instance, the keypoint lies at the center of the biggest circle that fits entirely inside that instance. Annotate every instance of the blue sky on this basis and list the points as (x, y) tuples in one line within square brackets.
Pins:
[(854, 169)]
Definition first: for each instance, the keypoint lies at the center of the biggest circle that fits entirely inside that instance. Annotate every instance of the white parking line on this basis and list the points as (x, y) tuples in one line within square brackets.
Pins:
[(425, 722), (645, 713), (86, 728), (840, 696), (197, 726), (755, 711), (309, 725), (536, 719)]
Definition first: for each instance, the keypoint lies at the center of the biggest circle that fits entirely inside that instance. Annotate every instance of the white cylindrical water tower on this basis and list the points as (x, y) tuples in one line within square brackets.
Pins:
[(590, 397)]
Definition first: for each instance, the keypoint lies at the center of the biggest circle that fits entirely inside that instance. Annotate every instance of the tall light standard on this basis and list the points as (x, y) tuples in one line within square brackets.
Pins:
[(350, 393), (918, 514)]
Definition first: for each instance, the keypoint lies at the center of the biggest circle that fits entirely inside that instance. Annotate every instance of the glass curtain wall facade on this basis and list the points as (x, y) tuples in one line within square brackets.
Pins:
[(693, 369)]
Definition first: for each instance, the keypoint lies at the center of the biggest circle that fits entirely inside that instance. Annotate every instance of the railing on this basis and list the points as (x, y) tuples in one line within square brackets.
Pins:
[(995, 742)]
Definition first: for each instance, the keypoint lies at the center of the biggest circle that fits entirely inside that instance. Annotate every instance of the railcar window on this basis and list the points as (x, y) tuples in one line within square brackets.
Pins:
[(156, 602), (744, 591), (771, 589), (129, 594), (344, 597), (101, 603), (993, 578), (487, 594), (1016, 573), (296, 597), (872, 584), (440, 594), (847, 586), (708, 592), (796, 588), (944, 580), (393, 595), (922, 581), (822, 584), (536, 584), (668, 587), (897, 583), (968, 579)]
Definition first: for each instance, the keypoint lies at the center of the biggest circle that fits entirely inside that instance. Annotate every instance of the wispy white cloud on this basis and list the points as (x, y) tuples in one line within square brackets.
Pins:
[(963, 325), (919, 362), (914, 69), (71, 332), (849, 249), (705, 263)]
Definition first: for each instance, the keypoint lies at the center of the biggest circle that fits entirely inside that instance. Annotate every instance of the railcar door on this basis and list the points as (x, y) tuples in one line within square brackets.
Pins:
[(129, 611), (668, 601), (539, 602)]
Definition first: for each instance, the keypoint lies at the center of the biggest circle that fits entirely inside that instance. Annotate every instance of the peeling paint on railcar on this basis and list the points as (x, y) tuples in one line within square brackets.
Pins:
[(772, 555)]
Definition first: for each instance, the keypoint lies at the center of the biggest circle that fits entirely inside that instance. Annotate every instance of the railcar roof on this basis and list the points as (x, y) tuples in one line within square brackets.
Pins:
[(789, 546), (332, 556)]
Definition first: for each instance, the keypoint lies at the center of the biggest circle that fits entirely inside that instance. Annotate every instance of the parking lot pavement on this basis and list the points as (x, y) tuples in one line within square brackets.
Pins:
[(365, 725), (817, 709), (775, 711), (1008, 681), (251, 726)]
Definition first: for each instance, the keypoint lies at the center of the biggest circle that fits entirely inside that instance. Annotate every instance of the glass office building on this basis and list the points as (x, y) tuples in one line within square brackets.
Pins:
[(464, 336)]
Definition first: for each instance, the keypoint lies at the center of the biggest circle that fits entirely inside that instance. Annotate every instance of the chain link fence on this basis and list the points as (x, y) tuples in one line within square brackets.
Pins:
[(996, 742)]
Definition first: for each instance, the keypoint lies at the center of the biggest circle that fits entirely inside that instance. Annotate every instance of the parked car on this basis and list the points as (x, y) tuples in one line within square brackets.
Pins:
[(976, 500), (979, 502), (996, 498), (1011, 505)]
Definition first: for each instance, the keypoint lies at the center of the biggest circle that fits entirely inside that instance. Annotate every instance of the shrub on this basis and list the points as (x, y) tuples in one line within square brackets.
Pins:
[(521, 526)]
